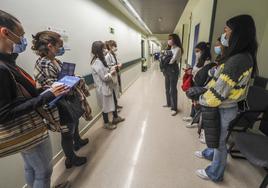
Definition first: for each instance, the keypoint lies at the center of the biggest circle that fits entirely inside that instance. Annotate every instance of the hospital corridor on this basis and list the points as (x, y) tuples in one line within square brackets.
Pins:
[(133, 94)]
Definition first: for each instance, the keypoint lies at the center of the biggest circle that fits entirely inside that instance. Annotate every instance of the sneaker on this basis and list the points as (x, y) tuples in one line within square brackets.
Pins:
[(174, 113), (199, 154), (187, 119), (166, 106), (202, 174), (110, 126), (192, 125), (118, 120)]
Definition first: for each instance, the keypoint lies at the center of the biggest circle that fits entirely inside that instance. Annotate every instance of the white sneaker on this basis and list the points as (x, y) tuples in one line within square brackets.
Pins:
[(199, 154), (187, 119), (192, 125), (202, 138), (174, 113), (202, 174)]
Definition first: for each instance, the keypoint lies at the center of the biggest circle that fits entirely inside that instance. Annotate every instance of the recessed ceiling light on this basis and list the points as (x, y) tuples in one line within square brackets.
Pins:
[(160, 19)]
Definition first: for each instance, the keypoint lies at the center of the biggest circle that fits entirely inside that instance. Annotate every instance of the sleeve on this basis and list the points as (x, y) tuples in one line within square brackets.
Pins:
[(103, 72), (176, 55), (110, 60), (45, 73), (220, 91), (10, 108)]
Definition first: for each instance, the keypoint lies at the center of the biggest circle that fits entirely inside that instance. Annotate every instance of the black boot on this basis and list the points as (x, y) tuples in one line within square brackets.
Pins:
[(80, 143), (76, 161)]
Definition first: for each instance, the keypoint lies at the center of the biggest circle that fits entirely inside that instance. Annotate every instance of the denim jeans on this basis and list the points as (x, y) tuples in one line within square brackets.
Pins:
[(208, 153), (216, 170), (38, 165), (171, 81)]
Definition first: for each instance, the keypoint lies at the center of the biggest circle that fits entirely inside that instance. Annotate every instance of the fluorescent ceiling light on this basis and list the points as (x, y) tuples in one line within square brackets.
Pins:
[(135, 14)]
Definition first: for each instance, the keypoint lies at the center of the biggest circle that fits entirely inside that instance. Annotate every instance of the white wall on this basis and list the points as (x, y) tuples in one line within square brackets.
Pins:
[(84, 20), (201, 11), (258, 10)]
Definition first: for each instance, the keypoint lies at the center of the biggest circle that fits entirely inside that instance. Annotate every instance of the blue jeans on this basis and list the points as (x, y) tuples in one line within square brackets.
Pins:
[(208, 153), (38, 165), (216, 170)]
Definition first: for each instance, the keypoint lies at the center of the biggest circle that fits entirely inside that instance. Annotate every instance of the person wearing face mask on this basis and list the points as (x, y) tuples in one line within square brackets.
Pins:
[(203, 56), (229, 86), (105, 85), (49, 45), (37, 157), (171, 73), (200, 78), (112, 62)]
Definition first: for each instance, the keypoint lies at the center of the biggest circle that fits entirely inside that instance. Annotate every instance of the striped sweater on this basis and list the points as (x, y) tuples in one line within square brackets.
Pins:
[(230, 82)]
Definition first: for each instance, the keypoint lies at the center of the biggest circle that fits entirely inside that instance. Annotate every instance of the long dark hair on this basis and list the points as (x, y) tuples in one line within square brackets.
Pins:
[(243, 38), (176, 40), (204, 47), (97, 51)]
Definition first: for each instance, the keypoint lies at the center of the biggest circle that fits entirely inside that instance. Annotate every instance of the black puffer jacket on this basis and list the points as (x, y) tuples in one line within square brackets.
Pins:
[(211, 125)]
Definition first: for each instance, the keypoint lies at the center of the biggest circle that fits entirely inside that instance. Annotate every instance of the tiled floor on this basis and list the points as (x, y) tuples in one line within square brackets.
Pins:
[(151, 149)]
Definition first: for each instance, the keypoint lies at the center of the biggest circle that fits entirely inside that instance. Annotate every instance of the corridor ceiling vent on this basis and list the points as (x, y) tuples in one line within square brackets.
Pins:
[(130, 9)]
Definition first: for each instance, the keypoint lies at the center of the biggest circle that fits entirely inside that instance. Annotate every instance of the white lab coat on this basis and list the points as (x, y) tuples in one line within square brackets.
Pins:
[(104, 86), (111, 62)]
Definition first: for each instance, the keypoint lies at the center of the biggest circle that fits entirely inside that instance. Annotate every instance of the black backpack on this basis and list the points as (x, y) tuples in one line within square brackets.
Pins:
[(165, 59)]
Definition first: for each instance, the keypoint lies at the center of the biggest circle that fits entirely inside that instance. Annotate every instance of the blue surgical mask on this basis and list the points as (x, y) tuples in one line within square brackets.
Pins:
[(21, 47), (217, 50), (61, 51), (224, 41)]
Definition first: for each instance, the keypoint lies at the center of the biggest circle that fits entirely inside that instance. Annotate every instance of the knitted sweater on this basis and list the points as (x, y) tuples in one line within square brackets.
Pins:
[(230, 82)]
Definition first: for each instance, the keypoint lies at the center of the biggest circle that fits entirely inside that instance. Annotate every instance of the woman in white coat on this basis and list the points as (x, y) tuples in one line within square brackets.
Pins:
[(111, 60), (103, 78)]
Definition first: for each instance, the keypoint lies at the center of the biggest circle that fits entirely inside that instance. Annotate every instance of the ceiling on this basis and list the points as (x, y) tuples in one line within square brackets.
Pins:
[(161, 16)]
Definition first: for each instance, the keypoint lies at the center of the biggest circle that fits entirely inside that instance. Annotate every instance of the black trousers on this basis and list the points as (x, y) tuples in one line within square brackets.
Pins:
[(171, 81), (115, 114), (68, 139)]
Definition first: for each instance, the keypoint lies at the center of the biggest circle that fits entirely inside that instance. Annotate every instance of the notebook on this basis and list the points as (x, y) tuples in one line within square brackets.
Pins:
[(70, 81)]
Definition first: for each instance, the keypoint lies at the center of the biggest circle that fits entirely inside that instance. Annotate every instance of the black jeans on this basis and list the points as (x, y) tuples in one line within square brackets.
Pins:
[(68, 139), (115, 114), (171, 81)]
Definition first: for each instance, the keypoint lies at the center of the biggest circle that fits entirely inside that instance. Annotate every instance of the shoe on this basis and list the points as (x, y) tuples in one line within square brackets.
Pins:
[(118, 120), (202, 174), (119, 107), (199, 154), (166, 106), (174, 113), (80, 144), (187, 119), (66, 184), (192, 125), (110, 126), (76, 161)]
